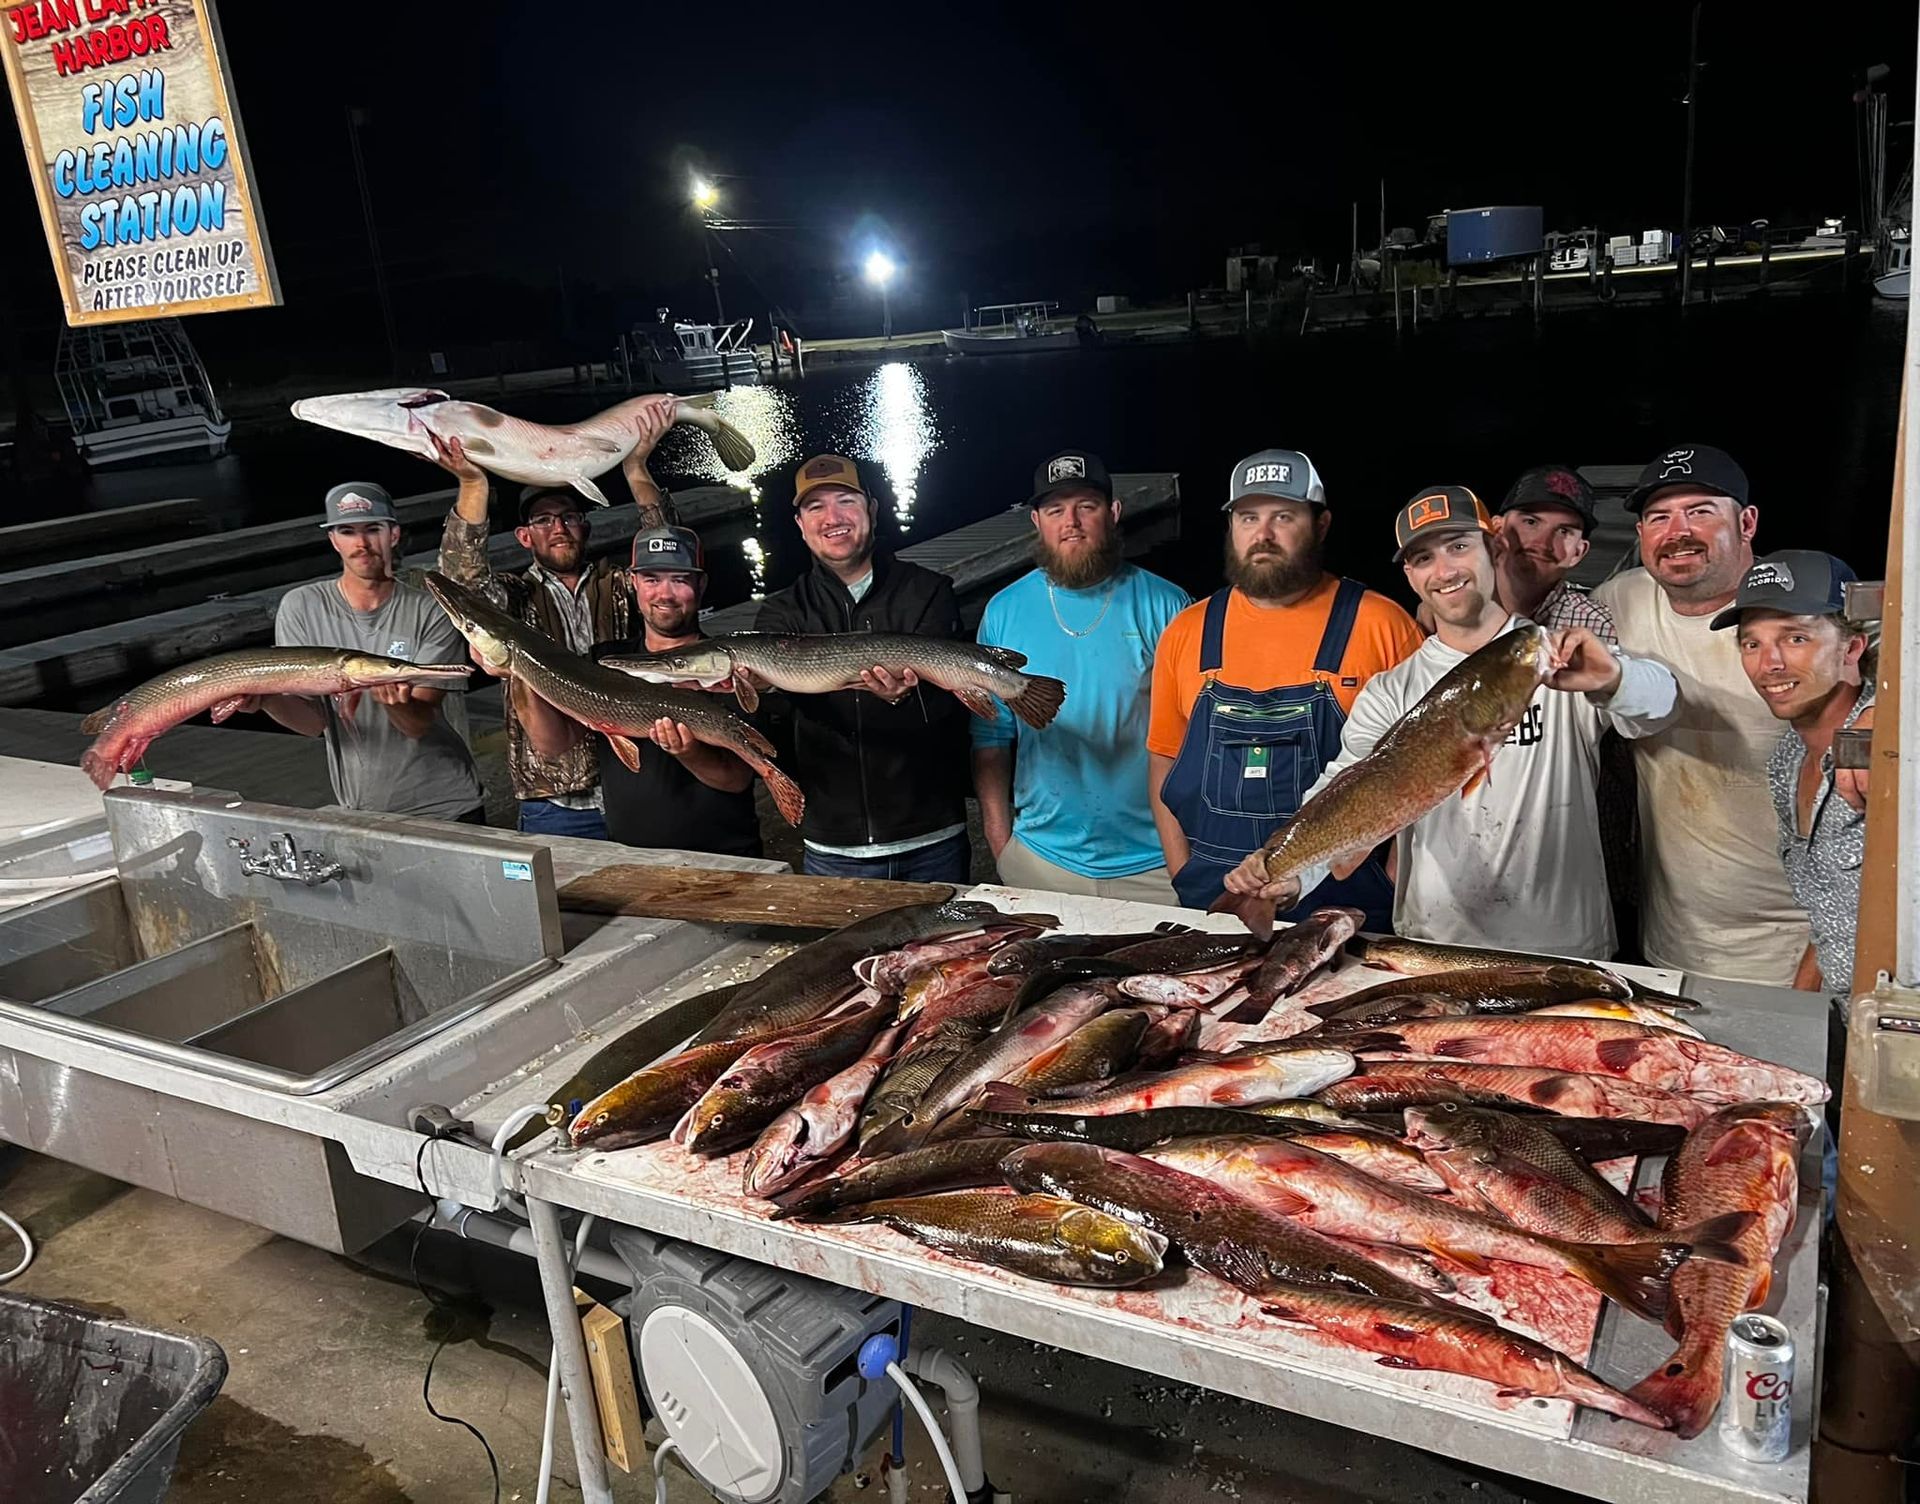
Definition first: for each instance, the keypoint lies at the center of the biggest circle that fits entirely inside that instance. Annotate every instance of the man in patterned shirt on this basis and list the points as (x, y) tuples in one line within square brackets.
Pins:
[(1542, 532), (1815, 669)]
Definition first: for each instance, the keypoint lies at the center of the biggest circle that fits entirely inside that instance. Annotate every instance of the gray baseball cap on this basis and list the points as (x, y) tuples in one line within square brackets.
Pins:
[(1283, 473), (358, 501), (1794, 582), (669, 549)]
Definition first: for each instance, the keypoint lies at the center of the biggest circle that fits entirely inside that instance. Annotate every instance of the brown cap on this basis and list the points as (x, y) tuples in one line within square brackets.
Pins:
[(825, 470), (1437, 510)]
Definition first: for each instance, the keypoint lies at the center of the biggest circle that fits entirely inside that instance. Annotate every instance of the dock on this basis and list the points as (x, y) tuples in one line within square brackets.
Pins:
[(57, 667), (983, 556)]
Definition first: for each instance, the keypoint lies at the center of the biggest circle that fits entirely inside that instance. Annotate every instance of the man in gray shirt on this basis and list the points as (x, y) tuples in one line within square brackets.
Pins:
[(400, 755)]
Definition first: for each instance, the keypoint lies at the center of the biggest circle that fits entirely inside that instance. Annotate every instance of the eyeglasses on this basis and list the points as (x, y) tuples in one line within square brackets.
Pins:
[(548, 521)]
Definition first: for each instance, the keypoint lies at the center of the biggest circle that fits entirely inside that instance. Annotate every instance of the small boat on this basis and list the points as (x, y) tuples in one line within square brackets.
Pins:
[(1898, 268), (681, 357), (136, 390), (1012, 329)]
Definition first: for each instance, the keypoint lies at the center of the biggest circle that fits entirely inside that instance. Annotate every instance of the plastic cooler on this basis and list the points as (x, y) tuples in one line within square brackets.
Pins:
[(92, 1408)]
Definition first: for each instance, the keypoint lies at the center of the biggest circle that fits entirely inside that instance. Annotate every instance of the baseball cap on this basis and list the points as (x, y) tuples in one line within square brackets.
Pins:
[(1690, 465), (825, 470), (1794, 582), (667, 548), (1070, 467), (1552, 486), (532, 496), (354, 501), (1437, 510), (1283, 473)]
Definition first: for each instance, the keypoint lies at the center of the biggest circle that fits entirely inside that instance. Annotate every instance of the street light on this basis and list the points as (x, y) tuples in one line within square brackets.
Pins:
[(705, 196), (880, 270)]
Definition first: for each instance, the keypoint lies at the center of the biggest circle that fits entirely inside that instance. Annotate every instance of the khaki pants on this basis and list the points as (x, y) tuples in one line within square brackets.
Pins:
[(1021, 868)]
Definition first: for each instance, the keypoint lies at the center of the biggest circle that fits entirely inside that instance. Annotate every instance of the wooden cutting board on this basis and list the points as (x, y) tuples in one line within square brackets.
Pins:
[(787, 899)]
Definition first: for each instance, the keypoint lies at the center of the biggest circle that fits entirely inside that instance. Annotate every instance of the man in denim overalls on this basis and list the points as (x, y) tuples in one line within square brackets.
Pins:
[(1251, 687)]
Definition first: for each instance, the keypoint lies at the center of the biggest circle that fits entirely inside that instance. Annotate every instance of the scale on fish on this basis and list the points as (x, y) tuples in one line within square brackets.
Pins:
[(566, 454)]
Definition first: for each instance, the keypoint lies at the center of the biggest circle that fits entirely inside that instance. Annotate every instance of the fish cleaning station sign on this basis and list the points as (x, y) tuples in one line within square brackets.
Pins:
[(137, 158)]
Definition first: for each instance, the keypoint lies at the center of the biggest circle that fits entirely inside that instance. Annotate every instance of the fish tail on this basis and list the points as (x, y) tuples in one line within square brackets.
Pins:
[(1685, 1390), (1716, 1240), (787, 797), (1633, 1275), (735, 450), (1039, 701), (1254, 912)]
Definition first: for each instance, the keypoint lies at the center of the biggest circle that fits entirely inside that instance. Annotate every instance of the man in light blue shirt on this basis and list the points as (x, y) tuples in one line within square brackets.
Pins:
[(1065, 809)]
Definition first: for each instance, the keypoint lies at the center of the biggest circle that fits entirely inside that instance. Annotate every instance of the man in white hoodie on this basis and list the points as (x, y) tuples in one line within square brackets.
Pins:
[(1516, 863)]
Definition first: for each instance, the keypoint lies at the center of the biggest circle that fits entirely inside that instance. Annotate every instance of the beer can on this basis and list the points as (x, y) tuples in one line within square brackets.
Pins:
[(1756, 1411)]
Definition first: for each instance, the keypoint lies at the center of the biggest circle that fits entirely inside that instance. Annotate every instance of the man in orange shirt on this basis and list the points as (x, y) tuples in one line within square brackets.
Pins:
[(1251, 687)]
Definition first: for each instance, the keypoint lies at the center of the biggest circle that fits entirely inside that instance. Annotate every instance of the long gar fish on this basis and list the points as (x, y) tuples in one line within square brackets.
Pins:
[(619, 708), (1299, 1275), (567, 454), (221, 683), (974, 674), (1443, 746)]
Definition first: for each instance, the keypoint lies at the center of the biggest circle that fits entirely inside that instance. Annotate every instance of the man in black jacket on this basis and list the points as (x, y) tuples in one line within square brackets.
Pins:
[(885, 768)]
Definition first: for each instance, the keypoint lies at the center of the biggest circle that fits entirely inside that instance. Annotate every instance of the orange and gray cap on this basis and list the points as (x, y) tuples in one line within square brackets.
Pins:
[(1283, 474), (825, 470), (356, 501), (1435, 511)]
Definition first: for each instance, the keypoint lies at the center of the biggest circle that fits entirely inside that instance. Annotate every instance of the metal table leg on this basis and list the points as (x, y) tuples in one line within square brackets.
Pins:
[(570, 1351)]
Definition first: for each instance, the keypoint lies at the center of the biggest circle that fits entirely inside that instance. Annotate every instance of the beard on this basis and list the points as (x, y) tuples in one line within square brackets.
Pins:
[(1275, 575), (563, 557), (671, 619), (1082, 567)]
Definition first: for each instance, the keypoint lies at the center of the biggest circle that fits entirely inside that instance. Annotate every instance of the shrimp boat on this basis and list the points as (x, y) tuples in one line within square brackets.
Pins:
[(1012, 329), (136, 390)]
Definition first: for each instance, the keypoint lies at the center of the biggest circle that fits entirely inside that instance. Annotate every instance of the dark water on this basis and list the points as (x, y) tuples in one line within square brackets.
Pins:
[(1803, 393)]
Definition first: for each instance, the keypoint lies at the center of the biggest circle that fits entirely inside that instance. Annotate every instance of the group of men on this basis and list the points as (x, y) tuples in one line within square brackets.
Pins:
[(1193, 730)]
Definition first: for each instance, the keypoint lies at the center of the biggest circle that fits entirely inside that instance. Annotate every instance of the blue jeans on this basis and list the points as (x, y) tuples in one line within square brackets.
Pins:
[(948, 861), (542, 817)]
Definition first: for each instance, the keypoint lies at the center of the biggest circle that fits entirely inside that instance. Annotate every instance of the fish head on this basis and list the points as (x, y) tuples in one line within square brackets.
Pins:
[(1446, 1126), (705, 663), (1503, 676), (394, 416), (775, 1154), (363, 669), (488, 630), (714, 1115), (1120, 1250)]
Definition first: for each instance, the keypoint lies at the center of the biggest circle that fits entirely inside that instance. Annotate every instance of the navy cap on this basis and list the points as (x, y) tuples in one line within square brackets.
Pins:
[(1552, 486), (1698, 465), (1285, 474), (1794, 582), (674, 549), (1070, 467), (531, 496), (355, 501)]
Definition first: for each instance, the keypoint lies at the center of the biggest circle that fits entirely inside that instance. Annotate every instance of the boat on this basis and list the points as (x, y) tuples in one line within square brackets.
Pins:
[(676, 356), (1012, 329), (1898, 266), (137, 390)]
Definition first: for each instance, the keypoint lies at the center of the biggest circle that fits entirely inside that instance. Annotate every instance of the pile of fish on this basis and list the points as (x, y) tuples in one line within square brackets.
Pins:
[(1090, 1109)]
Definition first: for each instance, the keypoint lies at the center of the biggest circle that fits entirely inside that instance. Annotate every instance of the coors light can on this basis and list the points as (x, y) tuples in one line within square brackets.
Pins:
[(1756, 1412)]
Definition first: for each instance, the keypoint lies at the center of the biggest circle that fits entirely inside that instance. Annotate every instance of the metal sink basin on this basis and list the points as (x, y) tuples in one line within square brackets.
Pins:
[(283, 948)]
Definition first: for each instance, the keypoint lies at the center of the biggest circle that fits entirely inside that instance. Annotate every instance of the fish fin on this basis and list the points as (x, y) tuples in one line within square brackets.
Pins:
[(1633, 1275), (976, 700), (1283, 1313), (1681, 1391), (1551, 1090), (1235, 1263), (1474, 779), (736, 451), (1618, 1054), (787, 797), (1255, 913), (97, 768), (1466, 1047), (1287, 1203), (1039, 701), (1347, 866), (1397, 1360), (1473, 1263), (1005, 657), (1377, 1040), (589, 490), (746, 694), (102, 718), (1715, 1240), (226, 708), (479, 446), (1000, 1096), (605, 446), (1252, 1011), (624, 749)]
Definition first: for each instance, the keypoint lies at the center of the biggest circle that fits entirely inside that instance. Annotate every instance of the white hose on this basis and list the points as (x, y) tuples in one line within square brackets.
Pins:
[(26, 1249), (553, 1353), (660, 1454), (934, 1433), (514, 1123)]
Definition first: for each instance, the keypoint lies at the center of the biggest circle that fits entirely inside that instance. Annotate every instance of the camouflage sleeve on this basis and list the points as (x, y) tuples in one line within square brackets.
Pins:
[(463, 559)]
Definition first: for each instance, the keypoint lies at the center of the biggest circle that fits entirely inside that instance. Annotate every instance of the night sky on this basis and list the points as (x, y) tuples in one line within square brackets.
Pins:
[(529, 164)]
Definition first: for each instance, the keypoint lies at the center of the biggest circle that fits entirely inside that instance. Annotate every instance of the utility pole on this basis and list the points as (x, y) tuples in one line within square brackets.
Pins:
[(713, 273), (357, 117), (1686, 191)]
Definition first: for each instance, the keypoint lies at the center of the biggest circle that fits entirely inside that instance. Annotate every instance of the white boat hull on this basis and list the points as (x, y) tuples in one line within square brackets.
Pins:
[(1893, 284), (144, 440), (993, 342)]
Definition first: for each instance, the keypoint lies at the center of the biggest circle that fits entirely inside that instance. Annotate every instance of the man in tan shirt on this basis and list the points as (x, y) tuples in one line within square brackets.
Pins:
[(1714, 900)]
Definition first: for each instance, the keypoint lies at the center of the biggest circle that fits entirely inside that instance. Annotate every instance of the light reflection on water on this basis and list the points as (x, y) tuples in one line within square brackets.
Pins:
[(756, 565), (765, 414), (897, 430)]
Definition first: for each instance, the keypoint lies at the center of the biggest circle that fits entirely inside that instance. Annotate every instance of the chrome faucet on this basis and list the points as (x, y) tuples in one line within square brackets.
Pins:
[(285, 861)]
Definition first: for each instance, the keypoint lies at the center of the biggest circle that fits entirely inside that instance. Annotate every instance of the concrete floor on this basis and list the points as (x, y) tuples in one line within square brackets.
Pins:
[(323, 1406)]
